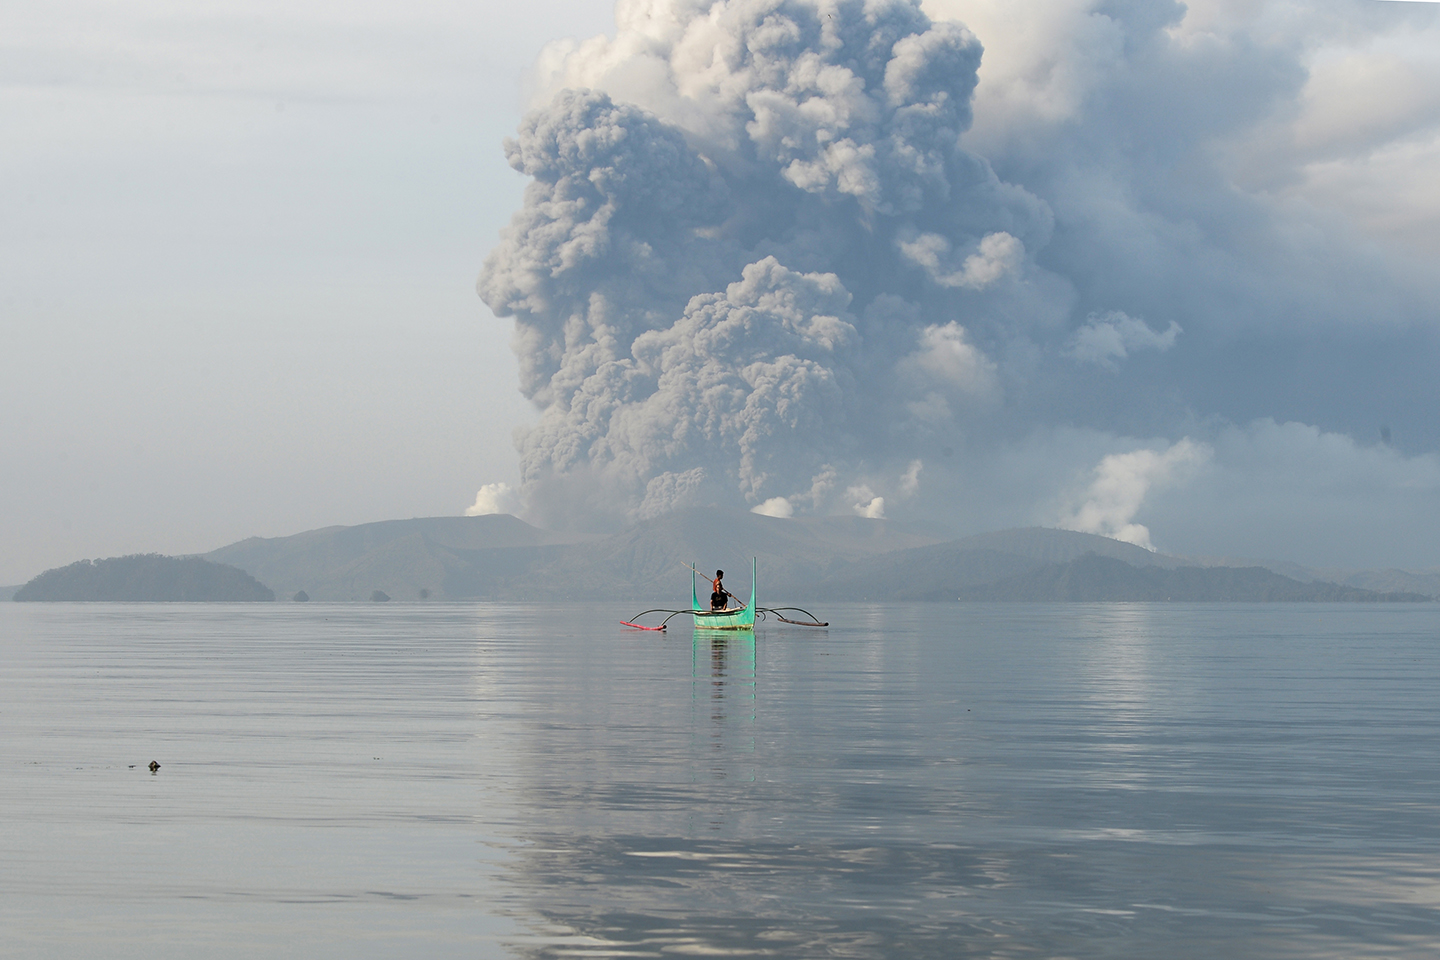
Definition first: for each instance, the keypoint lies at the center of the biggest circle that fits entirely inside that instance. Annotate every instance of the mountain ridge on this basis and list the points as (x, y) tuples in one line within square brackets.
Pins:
[(500, 557)]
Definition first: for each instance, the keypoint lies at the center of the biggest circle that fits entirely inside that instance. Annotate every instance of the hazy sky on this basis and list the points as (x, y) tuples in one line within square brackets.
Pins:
[(240, 243), (1175, 283)]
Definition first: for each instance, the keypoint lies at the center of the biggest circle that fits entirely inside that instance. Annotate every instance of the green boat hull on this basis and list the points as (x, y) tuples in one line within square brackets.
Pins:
[(741, 618)]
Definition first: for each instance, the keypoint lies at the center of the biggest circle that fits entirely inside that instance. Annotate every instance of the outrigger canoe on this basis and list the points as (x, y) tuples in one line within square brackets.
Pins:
[(731, 618)]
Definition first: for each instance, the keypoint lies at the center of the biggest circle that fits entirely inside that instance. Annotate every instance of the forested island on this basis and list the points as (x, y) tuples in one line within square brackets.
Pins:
[(146, 577)]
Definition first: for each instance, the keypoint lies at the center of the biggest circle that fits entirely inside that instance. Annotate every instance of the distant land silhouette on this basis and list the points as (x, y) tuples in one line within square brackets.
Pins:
[(500, 557), (145, 577), (800, 560)]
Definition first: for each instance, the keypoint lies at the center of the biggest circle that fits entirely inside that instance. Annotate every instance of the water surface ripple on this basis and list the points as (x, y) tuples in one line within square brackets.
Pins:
[(937, 780)]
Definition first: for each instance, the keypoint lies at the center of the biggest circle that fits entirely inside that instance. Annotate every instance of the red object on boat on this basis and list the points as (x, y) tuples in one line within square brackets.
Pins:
[(637, 626)]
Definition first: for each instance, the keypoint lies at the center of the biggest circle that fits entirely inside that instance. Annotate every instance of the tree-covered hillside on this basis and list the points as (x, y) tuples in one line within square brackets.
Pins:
[(146, 577)]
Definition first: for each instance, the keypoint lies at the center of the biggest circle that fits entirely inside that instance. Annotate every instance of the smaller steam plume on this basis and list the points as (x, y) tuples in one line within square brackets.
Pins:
[(495, 498), (1121, 482)]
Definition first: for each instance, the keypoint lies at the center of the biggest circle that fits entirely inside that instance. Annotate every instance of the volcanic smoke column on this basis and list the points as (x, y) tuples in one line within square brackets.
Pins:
[(759, 270)]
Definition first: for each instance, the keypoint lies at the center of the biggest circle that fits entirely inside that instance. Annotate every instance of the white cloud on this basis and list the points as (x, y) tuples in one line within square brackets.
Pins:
[(774, 507), (864, 502), (495, 498), (1119, 486)]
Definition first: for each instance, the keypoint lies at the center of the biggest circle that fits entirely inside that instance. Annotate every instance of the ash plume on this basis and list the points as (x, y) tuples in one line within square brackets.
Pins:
[(835, 256), (779, 283)]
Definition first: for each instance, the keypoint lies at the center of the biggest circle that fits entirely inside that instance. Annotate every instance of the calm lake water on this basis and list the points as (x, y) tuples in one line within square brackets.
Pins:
[(1118, 780)]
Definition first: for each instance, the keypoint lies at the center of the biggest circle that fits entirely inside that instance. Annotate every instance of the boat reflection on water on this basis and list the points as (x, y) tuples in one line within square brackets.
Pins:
[(723, 699)]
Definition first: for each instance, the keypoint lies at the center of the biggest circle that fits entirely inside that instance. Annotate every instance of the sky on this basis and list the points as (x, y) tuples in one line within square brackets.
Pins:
[(240, 243), (1159, 271)]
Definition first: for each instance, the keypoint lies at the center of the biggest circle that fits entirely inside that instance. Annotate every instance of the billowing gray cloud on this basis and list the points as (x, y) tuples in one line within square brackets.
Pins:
[(733, 300), (815, 256)]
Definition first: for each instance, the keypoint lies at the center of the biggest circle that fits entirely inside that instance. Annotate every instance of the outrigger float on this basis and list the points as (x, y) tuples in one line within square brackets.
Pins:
[(730, 618)]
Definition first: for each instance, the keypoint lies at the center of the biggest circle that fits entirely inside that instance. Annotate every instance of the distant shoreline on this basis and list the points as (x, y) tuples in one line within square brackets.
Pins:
[(803, 560)]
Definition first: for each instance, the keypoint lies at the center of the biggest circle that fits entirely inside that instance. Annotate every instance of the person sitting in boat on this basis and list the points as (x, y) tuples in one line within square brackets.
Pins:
[(719, 597)]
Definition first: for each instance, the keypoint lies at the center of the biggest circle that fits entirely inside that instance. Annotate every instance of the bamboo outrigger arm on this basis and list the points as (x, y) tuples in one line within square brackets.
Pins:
[(814, 620)]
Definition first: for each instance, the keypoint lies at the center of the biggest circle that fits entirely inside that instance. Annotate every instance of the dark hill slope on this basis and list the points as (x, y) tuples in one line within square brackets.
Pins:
[(146, 577)]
